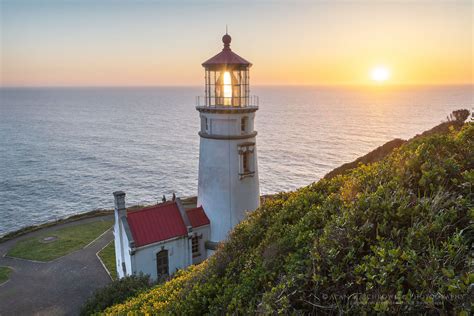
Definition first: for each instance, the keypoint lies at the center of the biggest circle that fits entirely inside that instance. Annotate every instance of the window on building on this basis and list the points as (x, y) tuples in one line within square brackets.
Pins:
[(243, 124), (195, 246), (162, 264), (245, 162), (246, 152), (204, 124)]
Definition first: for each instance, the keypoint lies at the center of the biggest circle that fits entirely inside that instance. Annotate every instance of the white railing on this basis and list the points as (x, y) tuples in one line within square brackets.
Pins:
[(236, 102)]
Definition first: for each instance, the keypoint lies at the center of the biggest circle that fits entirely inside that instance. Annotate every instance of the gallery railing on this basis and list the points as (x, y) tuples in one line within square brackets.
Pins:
[(236, 102)]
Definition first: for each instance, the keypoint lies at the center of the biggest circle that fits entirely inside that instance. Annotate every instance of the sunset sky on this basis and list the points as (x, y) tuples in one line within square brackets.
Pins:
[(87, 43)]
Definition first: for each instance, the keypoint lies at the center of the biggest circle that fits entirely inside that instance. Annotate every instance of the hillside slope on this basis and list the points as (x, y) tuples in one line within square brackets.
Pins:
[(383, 151), (391, 236)]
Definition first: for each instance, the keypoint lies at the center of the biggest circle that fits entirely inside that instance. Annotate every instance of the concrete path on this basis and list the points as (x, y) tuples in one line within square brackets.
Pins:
[(59, 287)]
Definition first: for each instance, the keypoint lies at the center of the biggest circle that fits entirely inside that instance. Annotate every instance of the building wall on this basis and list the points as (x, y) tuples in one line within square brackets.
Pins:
[(122, 250), (224, 195), (128, 258), (118, 243), (226, 124), (178, 256)]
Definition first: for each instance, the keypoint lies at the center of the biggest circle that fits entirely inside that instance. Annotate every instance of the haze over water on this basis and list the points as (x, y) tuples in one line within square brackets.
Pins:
[(65, 150)]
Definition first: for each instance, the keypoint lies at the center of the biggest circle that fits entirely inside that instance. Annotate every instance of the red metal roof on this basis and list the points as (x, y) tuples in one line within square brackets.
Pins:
[(226, 56), (197, 217), (156, 223)]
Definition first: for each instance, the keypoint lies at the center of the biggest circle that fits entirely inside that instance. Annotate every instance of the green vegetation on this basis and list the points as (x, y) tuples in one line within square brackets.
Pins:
[(107, 255), (375, 155), (29, 229), (389, 237), (116, 292), (66, 240), (454, 120), (459, 115), (5, 274)]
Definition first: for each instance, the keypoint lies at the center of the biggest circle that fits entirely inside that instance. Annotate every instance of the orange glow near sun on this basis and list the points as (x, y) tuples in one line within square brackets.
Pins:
[(411, 43)]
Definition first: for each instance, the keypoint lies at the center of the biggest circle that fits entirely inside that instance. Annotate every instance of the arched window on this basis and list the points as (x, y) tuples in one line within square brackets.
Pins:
[(162, 264)]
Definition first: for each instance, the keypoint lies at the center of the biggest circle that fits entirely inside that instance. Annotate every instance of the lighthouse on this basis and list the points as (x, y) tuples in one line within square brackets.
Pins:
[(228, 184)]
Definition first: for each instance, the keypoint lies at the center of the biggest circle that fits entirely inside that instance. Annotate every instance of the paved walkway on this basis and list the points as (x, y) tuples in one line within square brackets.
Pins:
[(59, 287)]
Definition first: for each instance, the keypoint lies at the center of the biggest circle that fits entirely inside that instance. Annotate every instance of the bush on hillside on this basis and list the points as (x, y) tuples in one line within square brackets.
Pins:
[(459, 115), (455, 120), (116, 292), (390, 237)]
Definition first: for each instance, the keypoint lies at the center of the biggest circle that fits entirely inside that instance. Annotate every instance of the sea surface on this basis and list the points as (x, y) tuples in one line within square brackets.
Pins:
[(64, 151)]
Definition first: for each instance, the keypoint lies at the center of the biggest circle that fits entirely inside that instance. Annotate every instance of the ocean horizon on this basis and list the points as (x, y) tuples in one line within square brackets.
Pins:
[(64, 150)]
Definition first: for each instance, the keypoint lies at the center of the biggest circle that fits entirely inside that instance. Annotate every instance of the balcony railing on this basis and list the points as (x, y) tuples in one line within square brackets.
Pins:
[(233, 102)]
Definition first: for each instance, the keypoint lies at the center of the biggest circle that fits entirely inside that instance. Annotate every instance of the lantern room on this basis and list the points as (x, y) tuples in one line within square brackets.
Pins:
[(227, 80)]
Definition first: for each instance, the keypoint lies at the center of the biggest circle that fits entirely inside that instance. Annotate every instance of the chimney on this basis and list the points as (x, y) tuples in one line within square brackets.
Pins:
[(119, 199)]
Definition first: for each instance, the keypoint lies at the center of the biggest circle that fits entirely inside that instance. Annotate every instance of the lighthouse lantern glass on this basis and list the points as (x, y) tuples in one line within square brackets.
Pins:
[(227, 87)]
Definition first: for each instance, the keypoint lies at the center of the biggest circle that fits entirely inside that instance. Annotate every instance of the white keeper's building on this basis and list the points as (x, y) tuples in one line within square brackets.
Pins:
[(160, 239)]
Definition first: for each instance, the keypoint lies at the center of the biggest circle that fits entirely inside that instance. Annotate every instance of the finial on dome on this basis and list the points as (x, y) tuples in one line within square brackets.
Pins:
[(226, 39)]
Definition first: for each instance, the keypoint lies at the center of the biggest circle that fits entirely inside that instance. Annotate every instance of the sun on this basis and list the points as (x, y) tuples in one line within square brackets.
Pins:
[(380, 74)]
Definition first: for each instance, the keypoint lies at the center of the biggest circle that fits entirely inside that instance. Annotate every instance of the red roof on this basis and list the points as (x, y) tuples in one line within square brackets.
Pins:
[(226, 57), (156, 223), (197, 217)]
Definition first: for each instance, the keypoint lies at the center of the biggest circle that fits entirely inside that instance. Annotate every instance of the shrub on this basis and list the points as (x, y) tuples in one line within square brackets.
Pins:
[(391, 237), (116, 292), (459, 115)]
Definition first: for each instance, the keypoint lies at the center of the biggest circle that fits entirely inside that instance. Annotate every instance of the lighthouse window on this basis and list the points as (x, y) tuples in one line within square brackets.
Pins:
[(195, 246), (245, 161), (246, 152), (243, 124), (204, 124)]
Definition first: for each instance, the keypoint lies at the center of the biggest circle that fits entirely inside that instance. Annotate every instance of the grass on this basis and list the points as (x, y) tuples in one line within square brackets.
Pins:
[(107, 255), (29, 229), (69, 239), (4, 274)]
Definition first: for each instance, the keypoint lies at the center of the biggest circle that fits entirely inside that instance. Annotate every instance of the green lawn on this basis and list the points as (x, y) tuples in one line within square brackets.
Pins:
[(108, 258), (68, 240), (4, 274)]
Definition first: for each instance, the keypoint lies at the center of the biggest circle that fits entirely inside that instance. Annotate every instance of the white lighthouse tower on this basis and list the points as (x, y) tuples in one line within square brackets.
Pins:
[(228, 173)]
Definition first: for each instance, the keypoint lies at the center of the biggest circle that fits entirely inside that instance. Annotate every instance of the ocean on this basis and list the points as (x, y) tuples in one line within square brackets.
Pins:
[(64, 151)]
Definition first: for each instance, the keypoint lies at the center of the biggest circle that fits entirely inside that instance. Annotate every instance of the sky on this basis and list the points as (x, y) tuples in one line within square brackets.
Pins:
[(152, 43)]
